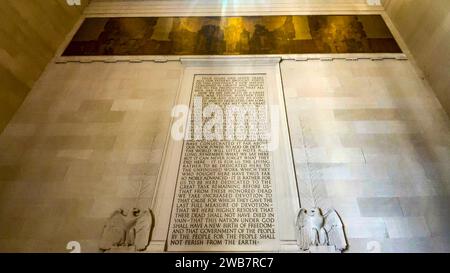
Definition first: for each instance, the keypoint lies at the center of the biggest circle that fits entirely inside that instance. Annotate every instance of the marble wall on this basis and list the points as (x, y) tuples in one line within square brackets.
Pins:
[(372, 141), (87, 140), (31, 32), (425, 26), (229, 8)]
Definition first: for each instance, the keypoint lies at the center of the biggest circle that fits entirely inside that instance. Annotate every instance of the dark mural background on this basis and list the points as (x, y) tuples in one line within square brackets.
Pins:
[(233, 35)]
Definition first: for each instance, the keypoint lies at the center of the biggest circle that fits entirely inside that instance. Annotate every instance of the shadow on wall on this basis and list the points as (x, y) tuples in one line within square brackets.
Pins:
[(427, 39), (31, 33)]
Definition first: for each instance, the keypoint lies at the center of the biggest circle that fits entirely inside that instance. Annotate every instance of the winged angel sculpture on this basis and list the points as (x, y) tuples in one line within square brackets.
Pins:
[(125, 229), (316, 229)]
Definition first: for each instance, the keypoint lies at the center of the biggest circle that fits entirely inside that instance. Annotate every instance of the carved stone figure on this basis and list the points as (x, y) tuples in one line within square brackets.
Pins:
[(125, 229), (316, 229)]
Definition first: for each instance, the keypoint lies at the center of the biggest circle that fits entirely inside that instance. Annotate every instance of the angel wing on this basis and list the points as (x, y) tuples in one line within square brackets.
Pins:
[(114, 231), (142, 230), (303, 231), (335, 230)]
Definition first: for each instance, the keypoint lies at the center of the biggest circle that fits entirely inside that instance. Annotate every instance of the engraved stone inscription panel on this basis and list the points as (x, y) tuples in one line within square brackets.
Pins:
[(225, 197)]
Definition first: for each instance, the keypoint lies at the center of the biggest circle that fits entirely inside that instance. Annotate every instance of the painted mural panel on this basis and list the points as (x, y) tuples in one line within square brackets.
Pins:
[(233, 35)]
